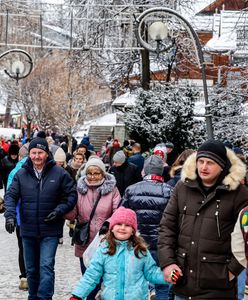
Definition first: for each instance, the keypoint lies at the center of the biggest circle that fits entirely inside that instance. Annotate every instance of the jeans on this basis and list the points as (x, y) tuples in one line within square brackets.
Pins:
[(241, 284), (92, 295), (161, 291), (39, 257), (180, 298)]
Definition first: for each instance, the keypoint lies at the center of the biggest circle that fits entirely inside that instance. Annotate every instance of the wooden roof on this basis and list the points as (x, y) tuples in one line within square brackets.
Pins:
[(228, 5)]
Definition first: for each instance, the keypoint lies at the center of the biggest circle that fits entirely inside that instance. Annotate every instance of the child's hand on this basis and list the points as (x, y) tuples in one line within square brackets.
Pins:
[(168, 271)]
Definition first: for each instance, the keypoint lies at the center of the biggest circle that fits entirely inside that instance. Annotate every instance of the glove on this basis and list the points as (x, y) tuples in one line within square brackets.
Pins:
[(52, 217), (75, 298), (104, 229), (10, 225)]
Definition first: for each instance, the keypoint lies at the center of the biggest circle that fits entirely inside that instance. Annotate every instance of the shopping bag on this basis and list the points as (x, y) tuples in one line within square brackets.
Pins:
[(91, 249)]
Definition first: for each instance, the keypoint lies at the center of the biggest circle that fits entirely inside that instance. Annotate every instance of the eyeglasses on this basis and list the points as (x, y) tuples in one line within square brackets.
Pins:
[(93, 174)]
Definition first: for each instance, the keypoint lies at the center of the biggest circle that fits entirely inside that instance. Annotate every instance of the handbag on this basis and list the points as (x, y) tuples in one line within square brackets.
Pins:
[(81, 232)]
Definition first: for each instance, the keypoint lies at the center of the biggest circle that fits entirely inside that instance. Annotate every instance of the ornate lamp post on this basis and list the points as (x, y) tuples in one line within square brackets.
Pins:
[(18, 69), (162, 31)]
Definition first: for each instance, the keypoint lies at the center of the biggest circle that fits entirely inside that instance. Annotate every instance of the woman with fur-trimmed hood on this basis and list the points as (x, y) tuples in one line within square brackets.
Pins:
[(94, 183), (196, 227)]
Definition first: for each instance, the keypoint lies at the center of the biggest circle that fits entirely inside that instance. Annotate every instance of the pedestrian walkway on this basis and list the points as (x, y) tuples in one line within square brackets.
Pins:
[(67, 269)]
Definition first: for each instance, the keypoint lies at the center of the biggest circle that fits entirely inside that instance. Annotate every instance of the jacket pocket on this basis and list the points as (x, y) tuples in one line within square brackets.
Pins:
[(214, 272), (182, 263)]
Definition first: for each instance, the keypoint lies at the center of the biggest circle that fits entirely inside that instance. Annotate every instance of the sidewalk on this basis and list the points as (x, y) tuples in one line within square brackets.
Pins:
[(67, 269)]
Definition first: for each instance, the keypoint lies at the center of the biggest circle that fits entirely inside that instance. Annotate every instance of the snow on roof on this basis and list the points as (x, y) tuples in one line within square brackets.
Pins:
[(226, 42), (3, 109), (126, 99), (8, 132)]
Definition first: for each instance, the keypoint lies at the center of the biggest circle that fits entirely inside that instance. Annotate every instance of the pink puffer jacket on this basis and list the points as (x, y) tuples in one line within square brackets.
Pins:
[(87, 195)]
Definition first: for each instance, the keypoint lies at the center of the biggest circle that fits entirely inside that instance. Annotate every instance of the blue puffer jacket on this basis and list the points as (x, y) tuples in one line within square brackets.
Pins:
[(54, 191), (148, 199), (125, 277)]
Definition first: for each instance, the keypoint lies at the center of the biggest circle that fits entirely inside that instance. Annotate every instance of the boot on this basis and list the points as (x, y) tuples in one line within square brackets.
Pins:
[(23, 284)]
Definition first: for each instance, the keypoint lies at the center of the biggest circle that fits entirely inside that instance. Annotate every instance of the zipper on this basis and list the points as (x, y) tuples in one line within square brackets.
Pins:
[(184, 213), (217, 218)]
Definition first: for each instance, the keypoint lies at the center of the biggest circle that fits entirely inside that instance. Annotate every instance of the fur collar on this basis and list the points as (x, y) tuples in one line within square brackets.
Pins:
[(232, 180), (107, 186)]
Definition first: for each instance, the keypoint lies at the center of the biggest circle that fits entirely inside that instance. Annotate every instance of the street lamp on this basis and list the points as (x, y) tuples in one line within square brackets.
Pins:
[(18, 69), (164, 37)]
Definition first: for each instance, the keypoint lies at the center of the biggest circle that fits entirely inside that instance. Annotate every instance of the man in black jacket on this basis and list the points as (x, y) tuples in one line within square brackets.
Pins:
[(125, 173), (46, 193)]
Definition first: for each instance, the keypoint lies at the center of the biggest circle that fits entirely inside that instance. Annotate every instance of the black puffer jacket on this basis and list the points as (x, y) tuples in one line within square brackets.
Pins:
[(125, 175), (148, 199), (54, 191)]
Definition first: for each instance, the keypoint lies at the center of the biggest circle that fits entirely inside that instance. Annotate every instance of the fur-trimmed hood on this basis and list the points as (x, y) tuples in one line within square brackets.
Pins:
[(232, 180), (107, 186)]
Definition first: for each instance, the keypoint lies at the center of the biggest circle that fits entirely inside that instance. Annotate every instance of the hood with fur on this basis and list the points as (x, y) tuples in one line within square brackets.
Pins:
[(232, 180), (107, 186)]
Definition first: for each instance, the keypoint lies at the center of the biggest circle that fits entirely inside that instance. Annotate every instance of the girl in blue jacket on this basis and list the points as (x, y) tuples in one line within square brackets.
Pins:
[(122, 261)]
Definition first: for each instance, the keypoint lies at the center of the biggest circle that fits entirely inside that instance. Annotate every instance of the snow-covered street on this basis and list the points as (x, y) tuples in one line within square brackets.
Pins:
[(67, 270)]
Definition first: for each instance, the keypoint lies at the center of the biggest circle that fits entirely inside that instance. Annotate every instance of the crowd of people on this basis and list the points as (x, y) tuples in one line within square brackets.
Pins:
[(172, 226)]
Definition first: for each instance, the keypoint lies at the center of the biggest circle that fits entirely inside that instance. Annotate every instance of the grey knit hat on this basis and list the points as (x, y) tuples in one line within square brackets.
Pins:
[(154, 165), (96, 162), (119, 157)]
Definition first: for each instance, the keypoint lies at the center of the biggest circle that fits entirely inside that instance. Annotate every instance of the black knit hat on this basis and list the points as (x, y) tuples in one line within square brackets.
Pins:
[(39, 143), (41, 134), (214, 150), (13, 149)]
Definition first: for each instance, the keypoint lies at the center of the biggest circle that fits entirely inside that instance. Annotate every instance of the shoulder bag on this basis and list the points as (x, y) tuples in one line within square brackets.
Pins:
[(81, 232)]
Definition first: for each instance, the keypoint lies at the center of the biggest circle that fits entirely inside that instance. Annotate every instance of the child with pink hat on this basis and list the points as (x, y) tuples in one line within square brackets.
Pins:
[(122, 261)]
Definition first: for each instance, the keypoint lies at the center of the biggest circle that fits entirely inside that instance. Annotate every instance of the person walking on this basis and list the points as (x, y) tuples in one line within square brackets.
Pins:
[(23, 154), (195, 230), (125, 173), (137, 158), (123, 261), (41, 187), (148, 199), (8, 163), (94, 185)]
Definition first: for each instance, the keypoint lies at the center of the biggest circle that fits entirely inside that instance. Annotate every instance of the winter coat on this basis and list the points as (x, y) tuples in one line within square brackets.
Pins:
[(195, 232), (138, 160), (39, 198), (86, 141), (125, 175), (148, 199), (240, 242), (107, 204), (125, 277), (10, 179), (6, 166), (175, 177)]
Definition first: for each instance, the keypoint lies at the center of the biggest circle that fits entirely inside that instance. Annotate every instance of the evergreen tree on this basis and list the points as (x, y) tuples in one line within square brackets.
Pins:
[(165, 113), (228, 119)]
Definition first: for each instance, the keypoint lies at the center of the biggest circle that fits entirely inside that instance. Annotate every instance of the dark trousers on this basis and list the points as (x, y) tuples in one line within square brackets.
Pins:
[(20, 255)]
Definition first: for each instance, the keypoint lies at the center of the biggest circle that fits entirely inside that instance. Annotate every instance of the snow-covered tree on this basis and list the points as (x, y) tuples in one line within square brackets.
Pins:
[(165, 113), (228, 114)]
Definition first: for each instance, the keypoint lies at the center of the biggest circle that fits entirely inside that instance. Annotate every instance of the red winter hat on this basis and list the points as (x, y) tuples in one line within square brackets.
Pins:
[(124, 216)]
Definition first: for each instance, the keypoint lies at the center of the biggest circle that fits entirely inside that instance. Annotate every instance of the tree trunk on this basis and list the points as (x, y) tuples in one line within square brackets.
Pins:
[(145, 72), (7, 116)]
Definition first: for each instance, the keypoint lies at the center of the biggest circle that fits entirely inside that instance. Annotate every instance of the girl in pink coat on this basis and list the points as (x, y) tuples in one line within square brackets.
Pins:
[(93, 183)]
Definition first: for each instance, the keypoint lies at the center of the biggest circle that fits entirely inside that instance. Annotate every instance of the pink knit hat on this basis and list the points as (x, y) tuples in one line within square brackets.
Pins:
[(124, 216)]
